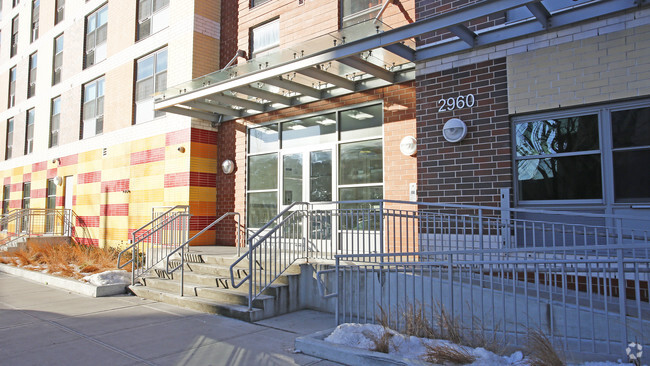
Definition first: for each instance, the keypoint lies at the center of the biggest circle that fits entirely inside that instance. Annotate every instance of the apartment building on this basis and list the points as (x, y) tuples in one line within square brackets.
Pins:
[(78, 126)]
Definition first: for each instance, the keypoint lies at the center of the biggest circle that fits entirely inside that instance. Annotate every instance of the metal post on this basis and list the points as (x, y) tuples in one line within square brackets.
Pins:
[(182, 269), (480, 232), (238, 228), (505, 217), (621, 281), (381, 228), (250, 275)]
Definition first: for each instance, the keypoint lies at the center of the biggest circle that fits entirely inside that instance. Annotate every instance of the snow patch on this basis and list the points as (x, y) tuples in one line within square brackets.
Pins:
[(410, 347), (116, 277)]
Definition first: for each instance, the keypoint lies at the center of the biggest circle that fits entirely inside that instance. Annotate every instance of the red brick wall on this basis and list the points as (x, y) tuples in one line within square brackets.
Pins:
[(473, 170), (229, 24), (430, 8)]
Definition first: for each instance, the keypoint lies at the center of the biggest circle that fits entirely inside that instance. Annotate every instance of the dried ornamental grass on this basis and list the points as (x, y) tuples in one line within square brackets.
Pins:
[(73, 260), (541, 350), (446, 354)]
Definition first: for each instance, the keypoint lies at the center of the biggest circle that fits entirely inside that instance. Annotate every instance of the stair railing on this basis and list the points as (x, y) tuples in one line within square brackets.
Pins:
[(154, 240), (181, 248), (30, 222), (275, 242)]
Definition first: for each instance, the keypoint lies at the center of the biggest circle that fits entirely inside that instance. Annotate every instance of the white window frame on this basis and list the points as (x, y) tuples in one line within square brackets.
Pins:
[(31, 80), (59, 12), (55, 121), (36, 10), (57, 60), (30, 119), (12, 87), (96, 37), (15, 24), (155, 13), (272, 28), (92, 125), (144, 104), (9, 145)]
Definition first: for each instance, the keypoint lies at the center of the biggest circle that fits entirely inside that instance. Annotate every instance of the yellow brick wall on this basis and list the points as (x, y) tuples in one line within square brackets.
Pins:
[(597, 69)]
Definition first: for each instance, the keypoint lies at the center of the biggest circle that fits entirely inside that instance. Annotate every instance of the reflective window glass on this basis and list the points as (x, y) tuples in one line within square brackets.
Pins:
[(263, 139), (361, 122), (361, 162), (631, 127), (557, 135), (320, 176), (291, 178), (563, 178), (309, 131), (263, 172), (262, 207)]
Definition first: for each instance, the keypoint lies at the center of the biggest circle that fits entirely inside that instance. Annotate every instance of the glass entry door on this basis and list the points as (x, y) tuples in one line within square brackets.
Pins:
[(308, 177)]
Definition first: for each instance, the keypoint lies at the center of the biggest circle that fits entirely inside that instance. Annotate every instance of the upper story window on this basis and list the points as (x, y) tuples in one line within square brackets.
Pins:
[(58, 60), (96, 35), (14, 37), (93, 109), (36, 9), (33, 63), (29, 132), (12, 87), (59, 13), (153, 15), (591, 156), (151, 77), (356, 11), (9, 147), (265, 37), (254, 3), (6, 194), (55, 121), (14, 3)]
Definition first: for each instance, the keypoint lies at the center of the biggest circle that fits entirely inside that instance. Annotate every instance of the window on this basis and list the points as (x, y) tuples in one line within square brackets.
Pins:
[(96, 33), (93, 109), (36, 7), (50, 204), (14, 3), (33, 63), (320, 158), (59, 12), (151, 77), (58, 60), (257, 2), (55, 120), (6, 195), (631, 154), (25, 204), (14, 37), (593, 156), (12, 87), (265, 37), (152, 16), (29, 132), (10, 139), (356, 11)]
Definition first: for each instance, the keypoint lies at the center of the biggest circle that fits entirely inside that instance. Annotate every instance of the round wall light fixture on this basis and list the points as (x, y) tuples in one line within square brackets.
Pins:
[(454, 130), (408, 146), (228, 166), (58, 180)]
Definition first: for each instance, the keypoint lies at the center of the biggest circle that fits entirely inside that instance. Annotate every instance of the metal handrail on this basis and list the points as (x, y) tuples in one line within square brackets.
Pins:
[(182, 246), (481, 227), (26, 223), (166, 220)]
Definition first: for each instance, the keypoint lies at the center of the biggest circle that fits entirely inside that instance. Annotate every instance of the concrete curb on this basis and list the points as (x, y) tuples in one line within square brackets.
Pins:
[(64, 283), (315, 346)]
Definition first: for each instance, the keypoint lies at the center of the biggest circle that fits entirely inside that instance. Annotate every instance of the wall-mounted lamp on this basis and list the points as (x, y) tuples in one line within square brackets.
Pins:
[(228, 166), (408, 146), (454, 130), (58, 180), (181, 149), (56, 161)]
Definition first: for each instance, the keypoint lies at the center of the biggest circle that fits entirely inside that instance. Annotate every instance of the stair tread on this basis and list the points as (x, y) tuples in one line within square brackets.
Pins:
[(218, 306), (205, 287)]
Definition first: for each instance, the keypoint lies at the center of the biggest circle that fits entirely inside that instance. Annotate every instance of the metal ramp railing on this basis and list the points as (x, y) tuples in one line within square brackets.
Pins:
[(154, 241), (30, 222), (356, 228)]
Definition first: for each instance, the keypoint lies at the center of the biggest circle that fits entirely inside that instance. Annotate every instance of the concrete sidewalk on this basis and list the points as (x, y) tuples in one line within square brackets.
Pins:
[(40, 325)]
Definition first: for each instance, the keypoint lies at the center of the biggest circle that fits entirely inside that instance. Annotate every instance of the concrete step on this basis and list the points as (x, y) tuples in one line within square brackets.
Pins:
[(200, 304), (217, 280), (270, 305), (214, 270)]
